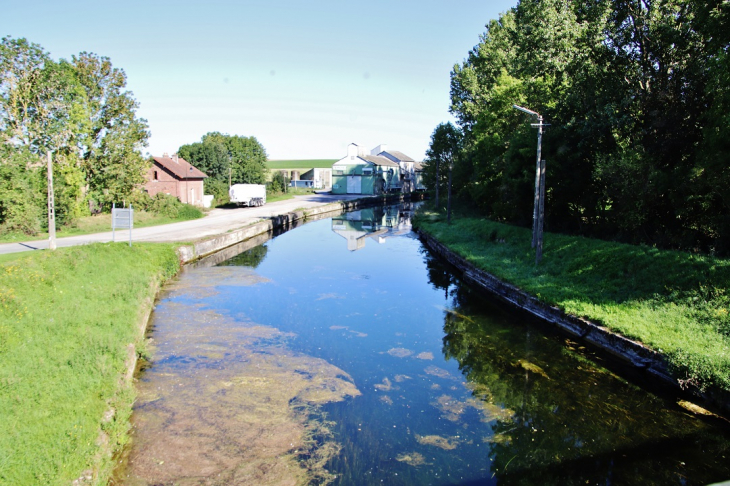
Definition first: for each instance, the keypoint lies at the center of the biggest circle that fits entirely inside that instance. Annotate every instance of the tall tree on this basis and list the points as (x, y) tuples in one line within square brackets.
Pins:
[(445, 141), (41, 105), (110, 148)]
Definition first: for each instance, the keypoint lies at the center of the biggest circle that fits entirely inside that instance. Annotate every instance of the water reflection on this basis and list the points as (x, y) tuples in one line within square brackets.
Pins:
[(377, 223)]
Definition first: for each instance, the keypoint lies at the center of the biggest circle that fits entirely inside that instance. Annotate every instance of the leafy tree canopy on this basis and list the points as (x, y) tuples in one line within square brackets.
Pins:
[(217, 154)]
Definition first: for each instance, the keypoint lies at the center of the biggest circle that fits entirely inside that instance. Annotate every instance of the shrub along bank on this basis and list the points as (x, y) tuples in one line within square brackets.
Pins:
[(676, 303), (67, 319)]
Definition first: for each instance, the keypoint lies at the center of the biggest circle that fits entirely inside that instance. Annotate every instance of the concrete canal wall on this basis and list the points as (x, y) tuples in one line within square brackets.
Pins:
[(209, 246)]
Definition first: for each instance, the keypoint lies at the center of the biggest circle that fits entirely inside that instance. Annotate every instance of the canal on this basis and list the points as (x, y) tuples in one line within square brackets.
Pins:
[(342, 352)]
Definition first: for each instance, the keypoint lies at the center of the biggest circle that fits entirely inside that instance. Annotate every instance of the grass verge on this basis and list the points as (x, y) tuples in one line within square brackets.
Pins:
[(67, 319), (676, 303)]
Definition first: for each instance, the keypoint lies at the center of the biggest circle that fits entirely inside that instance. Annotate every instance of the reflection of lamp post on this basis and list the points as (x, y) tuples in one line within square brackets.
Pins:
[(538, 211)]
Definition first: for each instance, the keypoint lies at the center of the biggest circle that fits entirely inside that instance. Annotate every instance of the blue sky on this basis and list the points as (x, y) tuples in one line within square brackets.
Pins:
[(304, 78)]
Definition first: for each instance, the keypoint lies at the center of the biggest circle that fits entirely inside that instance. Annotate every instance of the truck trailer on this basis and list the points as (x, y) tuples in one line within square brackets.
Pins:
[(248, 194)]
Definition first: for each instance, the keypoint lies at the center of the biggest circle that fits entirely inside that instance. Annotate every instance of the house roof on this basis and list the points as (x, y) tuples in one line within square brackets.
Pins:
[(418, 166), (378, 160), (180, 167), (399, 155)]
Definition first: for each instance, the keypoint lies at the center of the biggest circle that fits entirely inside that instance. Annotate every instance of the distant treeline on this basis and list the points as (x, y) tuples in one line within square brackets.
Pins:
[(637, 93)]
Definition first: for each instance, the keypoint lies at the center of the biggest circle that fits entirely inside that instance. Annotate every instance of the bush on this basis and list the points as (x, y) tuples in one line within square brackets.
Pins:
[(141, 200), (187, 211), (219, 190), (171, 207), (22, 202), (279, 183), (165, 205)]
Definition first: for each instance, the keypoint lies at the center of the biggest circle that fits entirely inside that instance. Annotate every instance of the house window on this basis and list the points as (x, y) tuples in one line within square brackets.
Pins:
[(367, 171), (339, 172), (155, 175), (352, 157)]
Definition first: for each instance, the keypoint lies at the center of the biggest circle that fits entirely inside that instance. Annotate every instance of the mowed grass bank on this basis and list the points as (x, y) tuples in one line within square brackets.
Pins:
[(67, 319), (674, 302)]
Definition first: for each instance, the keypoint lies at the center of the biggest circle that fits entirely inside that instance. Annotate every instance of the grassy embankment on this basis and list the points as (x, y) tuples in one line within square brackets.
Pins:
[(674, 302), (67, 319)]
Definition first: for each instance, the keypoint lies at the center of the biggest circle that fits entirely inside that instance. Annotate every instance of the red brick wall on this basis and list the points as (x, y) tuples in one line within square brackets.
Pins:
[(186, 191)]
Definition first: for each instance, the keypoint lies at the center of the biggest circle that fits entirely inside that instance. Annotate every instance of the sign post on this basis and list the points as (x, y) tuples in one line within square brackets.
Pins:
[(123, 219)]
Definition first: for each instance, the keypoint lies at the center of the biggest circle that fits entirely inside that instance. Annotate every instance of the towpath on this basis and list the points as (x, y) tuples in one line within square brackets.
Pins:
[(216, 222)]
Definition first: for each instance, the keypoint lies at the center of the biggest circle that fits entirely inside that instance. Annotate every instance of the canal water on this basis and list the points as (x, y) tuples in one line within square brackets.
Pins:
[(342, 352)]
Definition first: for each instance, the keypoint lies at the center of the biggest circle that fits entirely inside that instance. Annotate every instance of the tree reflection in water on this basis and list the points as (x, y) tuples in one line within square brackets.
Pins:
[(574, 422)]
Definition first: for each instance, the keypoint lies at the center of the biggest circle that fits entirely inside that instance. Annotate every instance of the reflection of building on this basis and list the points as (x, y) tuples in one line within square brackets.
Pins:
[(377, 223)]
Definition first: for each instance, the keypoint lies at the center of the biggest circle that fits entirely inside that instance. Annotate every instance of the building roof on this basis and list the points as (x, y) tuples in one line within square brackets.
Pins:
[(378, 160), (180, 167), (418, 166), (398, 155)]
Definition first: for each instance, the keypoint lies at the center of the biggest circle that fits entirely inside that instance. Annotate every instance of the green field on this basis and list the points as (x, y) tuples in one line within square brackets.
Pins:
[(301, 164)]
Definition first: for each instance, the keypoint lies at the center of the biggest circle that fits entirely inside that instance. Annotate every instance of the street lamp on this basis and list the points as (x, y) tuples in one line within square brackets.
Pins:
[(538, 211)]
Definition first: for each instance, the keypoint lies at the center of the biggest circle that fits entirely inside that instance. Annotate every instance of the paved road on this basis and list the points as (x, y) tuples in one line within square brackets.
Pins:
[(215, 222)]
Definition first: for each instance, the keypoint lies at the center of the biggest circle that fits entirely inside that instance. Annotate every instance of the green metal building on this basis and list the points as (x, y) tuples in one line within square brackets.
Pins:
[(360, 173)]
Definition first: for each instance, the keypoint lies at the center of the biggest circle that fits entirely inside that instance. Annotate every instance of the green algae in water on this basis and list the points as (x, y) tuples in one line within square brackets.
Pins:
[(226, 402)]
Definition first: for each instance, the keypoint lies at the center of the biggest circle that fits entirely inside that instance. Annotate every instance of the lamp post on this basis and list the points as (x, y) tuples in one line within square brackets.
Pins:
[(538, 211)]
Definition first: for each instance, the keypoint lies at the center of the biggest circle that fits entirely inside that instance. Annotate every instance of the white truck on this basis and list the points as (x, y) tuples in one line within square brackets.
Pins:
[(248, 194)]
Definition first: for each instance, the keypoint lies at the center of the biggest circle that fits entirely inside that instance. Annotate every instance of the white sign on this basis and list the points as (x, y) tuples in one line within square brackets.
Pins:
[(122, 219)]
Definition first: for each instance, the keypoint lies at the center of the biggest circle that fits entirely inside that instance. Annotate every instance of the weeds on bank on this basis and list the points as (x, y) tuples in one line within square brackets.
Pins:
[(675, 302), (66, 319)]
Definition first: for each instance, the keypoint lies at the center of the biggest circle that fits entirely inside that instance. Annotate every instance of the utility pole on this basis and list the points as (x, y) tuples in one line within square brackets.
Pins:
[(51, 207), (538, 210)]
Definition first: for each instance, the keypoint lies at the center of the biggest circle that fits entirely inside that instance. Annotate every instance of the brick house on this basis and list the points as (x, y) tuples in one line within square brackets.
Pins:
[(177, 177)]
